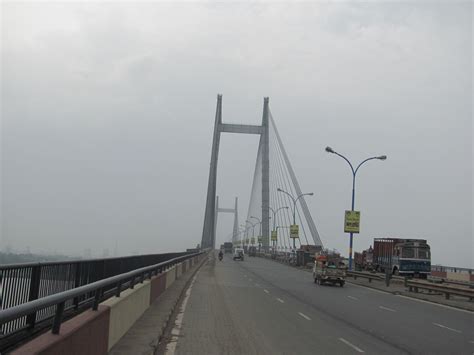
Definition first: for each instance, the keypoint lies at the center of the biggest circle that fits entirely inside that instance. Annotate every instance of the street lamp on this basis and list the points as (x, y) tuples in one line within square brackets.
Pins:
[(253, 227), (294, 206), (274, 219), (260, 232), (354, 172)]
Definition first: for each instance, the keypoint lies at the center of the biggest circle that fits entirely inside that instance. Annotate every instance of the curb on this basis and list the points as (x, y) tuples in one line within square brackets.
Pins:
[(157, 342)]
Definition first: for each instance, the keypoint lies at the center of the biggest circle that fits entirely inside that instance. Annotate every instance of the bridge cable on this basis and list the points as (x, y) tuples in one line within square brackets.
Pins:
[(293, 192), (286, 199), (277, 203)]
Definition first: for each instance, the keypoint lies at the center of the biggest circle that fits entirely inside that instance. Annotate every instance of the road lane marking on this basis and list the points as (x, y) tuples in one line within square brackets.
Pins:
[(266, 291), (353, 298), (387, 309), (445, 327), (359, 350), (280, 300), (171, 346), (304, 316), (369, 288)]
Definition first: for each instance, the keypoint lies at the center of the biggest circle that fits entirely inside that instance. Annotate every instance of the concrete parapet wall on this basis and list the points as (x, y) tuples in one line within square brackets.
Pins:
[(158, 286), (126, 309), (87, 333), (170, 276), (179, 270)]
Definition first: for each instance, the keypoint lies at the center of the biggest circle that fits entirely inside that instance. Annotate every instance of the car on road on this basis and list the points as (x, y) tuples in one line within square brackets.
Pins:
[(253, 251), (238, 254)]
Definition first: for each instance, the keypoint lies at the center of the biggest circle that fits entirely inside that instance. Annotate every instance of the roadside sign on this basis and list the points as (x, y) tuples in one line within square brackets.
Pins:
[(274, 236), (294, 231), (351, 222), (259, 239), (252, 240)]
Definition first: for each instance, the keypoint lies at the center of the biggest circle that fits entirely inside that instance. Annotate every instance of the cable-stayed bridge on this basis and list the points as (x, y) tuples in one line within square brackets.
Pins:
[(276, 198), (257, 306)]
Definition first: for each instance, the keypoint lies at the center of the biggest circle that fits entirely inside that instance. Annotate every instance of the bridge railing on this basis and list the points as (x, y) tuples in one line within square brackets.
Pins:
[(22, 283), (446, 289), (61, 304)]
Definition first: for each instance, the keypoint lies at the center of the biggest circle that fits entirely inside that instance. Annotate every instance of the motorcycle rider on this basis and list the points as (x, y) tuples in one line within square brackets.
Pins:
[(221, 255)]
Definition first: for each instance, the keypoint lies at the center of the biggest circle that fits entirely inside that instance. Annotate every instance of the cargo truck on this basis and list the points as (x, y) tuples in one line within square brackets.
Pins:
[(364, 260), (404, 257), (329, 268), (228, 247)]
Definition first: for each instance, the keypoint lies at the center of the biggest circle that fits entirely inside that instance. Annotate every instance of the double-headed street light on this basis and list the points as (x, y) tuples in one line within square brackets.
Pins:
[(294, 207), (354, 172), (274, 219), (253, 227), (260, 232)]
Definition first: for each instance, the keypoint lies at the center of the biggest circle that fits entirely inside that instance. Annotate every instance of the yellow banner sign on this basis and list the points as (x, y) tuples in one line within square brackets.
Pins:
[(294, 231), (351, 222), (274, 236)]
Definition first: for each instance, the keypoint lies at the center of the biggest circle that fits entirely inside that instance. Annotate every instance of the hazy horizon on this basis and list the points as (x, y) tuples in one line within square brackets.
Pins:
[(108, 111)]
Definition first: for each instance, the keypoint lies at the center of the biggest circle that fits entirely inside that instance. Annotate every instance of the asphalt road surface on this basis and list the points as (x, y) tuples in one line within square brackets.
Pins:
[(262, 307)]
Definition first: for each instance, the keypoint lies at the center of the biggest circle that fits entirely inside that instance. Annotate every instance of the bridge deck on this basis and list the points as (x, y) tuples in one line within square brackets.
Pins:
[(262, 307)]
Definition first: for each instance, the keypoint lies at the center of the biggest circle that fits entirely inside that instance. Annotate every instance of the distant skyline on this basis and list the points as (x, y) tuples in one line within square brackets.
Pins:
[(108, 110)]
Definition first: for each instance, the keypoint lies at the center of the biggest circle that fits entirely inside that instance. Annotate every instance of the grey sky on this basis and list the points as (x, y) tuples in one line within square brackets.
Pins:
[(107, 114)]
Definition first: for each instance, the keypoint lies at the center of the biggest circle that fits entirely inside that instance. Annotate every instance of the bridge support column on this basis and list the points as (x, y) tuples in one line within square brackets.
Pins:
[(209, 233), (236, 221), (265, 149)]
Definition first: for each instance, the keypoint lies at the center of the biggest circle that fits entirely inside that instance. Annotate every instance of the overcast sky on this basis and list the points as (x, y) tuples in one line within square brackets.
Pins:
[(108, 110)]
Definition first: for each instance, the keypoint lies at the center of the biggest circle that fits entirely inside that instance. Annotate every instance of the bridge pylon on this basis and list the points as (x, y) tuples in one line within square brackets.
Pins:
[(210, 215)]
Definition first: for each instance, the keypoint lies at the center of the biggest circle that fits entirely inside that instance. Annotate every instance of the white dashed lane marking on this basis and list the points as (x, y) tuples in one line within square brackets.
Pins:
[(448, 328), (304, 316), (387, 309), (359, 350)]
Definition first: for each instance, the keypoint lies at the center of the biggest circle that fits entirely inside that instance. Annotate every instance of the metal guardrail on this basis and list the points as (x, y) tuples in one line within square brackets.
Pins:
[(21, 283), (356, 274), (90, 295), (414, 286)]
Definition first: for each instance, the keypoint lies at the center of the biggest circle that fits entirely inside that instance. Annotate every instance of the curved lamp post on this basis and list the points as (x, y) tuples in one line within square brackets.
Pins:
[(354, 172), (294, 206)]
